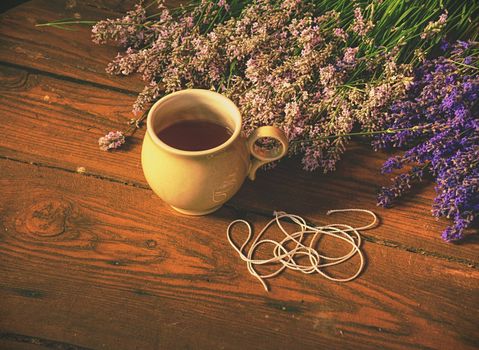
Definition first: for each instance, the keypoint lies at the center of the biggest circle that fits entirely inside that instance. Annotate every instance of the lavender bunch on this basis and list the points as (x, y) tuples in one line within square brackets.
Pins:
[(440, 116), (314, 69)]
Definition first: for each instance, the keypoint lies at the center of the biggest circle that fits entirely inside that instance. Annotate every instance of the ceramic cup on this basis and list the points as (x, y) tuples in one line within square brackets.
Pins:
[(199, 182)]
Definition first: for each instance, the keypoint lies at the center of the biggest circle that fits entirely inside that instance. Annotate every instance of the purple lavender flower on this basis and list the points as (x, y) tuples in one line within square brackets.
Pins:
[(444, 45), (401, 185), (444, 96), (391, 164), (112, 140), (449, 100), (463, 44)]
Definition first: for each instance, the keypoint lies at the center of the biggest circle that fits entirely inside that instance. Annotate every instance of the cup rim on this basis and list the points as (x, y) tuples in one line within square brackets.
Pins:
[(235, 115)]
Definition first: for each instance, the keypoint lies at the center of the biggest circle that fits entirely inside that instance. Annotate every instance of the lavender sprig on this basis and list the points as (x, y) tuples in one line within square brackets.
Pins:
[(112, 140), (116, 139)]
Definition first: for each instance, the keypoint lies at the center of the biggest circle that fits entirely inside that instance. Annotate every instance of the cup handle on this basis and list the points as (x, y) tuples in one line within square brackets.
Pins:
[(263, 156)]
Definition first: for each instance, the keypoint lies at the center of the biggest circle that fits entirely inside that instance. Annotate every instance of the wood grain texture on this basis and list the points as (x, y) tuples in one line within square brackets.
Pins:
[(94, 264), (62, 52), (96, 261), (57, 123)]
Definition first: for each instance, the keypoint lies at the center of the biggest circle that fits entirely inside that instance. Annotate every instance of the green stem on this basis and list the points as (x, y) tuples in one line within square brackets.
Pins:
[(232, 67), (369, 133), (48, 24), (55, 24), (135, 124), (349, 86), (150, 4), (462, 64)]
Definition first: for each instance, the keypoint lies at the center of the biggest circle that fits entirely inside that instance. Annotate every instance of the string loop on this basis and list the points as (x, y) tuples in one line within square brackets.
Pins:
[(286, 256)]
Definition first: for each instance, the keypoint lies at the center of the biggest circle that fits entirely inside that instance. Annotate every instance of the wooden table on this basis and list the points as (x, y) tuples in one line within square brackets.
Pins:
[(94, 260)]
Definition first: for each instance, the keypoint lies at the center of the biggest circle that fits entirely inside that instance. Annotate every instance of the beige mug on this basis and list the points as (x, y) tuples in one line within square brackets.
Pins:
[(200, 182)]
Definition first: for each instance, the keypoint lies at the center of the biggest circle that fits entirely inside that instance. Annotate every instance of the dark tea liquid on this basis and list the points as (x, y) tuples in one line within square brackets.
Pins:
[(194, 135)]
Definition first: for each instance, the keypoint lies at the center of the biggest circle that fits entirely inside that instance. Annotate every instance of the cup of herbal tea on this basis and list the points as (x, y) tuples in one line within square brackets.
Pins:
[(195, 156)]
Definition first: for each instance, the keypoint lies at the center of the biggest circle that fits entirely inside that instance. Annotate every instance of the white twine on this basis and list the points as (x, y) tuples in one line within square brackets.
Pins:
[(287, 256)]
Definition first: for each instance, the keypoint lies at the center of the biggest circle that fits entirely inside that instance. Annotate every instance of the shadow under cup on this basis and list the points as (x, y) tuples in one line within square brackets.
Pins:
[(194, 105)]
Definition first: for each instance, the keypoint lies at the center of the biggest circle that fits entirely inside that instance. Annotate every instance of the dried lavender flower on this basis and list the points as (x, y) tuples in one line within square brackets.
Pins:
[(435, 27), (112, 140), (360, 26)]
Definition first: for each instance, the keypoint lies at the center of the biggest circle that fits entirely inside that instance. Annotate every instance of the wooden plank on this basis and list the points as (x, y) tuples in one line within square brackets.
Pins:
[(63, 121), (92, 264), (62, 52), (57, 123)]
